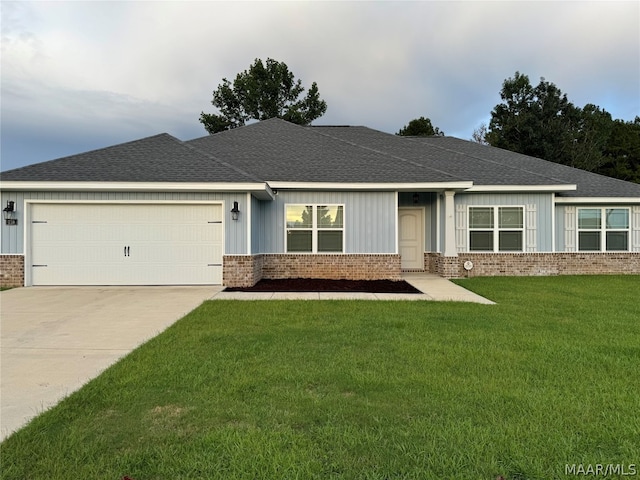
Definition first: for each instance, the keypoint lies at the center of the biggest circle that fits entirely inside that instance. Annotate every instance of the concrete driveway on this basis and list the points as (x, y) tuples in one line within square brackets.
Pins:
[(55, 339)]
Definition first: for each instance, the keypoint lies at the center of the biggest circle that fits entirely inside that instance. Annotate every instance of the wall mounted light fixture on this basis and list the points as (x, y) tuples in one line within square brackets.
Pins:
[(9, 213), (235, 211)]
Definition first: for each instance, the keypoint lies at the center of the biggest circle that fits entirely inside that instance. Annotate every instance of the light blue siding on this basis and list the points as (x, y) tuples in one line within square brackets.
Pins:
[(12, 237), (369, 219), (544, 210), (256, 225)]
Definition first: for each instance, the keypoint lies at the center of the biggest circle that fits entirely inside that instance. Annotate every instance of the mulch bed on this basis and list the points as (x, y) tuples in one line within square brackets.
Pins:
[(323, 285)]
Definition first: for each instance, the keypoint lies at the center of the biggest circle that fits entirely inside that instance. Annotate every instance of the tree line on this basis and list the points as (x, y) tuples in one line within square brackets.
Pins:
[(539, 121)]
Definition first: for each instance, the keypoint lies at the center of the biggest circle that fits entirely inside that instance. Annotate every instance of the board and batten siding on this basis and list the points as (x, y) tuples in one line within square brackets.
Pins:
[(566, 228), (369, 219), (538, 214), (12, 237), (256, 225)]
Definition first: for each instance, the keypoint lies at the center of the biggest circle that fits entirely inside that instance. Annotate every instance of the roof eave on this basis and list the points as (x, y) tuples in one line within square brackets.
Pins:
[(260, 190), (598, 200), (522, 188), (377, 186)]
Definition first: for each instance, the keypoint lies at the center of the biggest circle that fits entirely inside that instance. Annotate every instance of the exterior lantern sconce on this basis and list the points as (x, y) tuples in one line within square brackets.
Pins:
[(416, 198), (9, 213), (234, 211)]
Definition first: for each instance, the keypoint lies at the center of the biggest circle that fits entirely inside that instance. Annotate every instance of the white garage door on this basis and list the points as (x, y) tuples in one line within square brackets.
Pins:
[(114, 244)]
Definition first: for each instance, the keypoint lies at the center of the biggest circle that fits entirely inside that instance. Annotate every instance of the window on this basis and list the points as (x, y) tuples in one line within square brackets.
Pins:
[(496, 229), (603, 229), (314, 228)]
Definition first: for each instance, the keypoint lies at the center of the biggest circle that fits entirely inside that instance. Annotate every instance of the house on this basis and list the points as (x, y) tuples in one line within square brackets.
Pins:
[(277, 200)]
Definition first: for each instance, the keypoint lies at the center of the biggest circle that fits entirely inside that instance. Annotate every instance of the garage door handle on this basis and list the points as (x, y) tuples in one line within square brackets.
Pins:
[(126, 251)]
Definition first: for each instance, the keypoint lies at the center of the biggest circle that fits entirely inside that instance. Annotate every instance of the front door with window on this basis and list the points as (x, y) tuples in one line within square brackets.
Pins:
[(411, 238)]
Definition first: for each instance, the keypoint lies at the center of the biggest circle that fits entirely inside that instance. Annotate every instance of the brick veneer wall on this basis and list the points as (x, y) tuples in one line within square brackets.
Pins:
[(447, 267), (247, 270), (531, 264), (11, 270), (332, 266), (241, 270)]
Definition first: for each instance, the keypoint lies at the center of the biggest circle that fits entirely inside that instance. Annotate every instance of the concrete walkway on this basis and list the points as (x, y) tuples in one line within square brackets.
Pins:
[(55, 339), (441, 289), (432, 287)]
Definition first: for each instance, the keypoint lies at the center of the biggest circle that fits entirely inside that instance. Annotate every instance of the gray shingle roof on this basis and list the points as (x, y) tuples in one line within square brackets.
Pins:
[(485, 165), (161, 158), (498, 160), (277, 151)]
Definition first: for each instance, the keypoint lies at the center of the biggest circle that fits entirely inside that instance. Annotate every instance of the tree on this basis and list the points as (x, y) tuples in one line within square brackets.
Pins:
[(622, 154), (541, 122), (419, 127), (265, 90), (533, 120), (590, 133), (479, 135)]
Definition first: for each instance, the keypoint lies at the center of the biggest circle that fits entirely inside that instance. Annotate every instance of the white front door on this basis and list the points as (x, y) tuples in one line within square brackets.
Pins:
[(126, 244), (411, 238)]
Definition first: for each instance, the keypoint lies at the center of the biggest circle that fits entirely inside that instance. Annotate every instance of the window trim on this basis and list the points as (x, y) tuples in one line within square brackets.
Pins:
[(603, 230), (496, 229), (314, 228)]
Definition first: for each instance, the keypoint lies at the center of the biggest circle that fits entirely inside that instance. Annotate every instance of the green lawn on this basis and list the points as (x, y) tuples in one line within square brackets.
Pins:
[(549, 376)]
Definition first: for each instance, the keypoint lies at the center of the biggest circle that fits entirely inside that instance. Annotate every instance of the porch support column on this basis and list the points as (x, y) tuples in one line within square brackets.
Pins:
[(449, 225)]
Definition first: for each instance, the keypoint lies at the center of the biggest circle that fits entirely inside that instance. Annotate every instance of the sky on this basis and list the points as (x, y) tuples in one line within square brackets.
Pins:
[(78, 76)]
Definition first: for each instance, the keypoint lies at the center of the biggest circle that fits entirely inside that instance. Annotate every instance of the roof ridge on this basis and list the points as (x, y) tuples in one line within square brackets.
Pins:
[(405, 160)]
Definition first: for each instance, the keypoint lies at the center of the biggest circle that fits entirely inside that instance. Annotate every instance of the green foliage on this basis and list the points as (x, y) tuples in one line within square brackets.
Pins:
[(623, 151), (263, 91), (532, 120), (541, 122), (480, 134), (419, 127), (362, 389)]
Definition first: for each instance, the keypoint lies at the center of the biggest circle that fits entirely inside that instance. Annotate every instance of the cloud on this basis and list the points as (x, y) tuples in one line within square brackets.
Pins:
[(112, 71)]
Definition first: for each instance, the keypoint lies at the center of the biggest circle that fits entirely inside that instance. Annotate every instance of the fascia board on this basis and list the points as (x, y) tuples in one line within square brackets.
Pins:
[(409, 187), (260, 190), (598, 200), (522, 188)]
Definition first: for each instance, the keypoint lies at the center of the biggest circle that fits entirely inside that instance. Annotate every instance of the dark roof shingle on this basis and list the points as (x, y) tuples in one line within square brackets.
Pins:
[(278, 151), (275, 150), (160, 158)]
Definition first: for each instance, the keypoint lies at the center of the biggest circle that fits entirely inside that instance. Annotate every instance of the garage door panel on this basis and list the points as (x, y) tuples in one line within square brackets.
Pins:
[(118, 244), (168, 254), (95, 274), (184, 275), (183, 233)]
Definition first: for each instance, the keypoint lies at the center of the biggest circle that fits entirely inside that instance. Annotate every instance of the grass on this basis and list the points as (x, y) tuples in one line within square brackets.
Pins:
[(363, 390)]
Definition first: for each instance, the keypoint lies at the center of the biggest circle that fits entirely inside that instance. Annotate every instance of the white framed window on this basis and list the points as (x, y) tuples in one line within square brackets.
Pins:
[(496, 229), (314, 228), (603, 229)]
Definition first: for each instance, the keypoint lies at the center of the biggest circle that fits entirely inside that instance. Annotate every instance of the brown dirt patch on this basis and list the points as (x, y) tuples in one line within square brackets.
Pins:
[(324, 285)]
